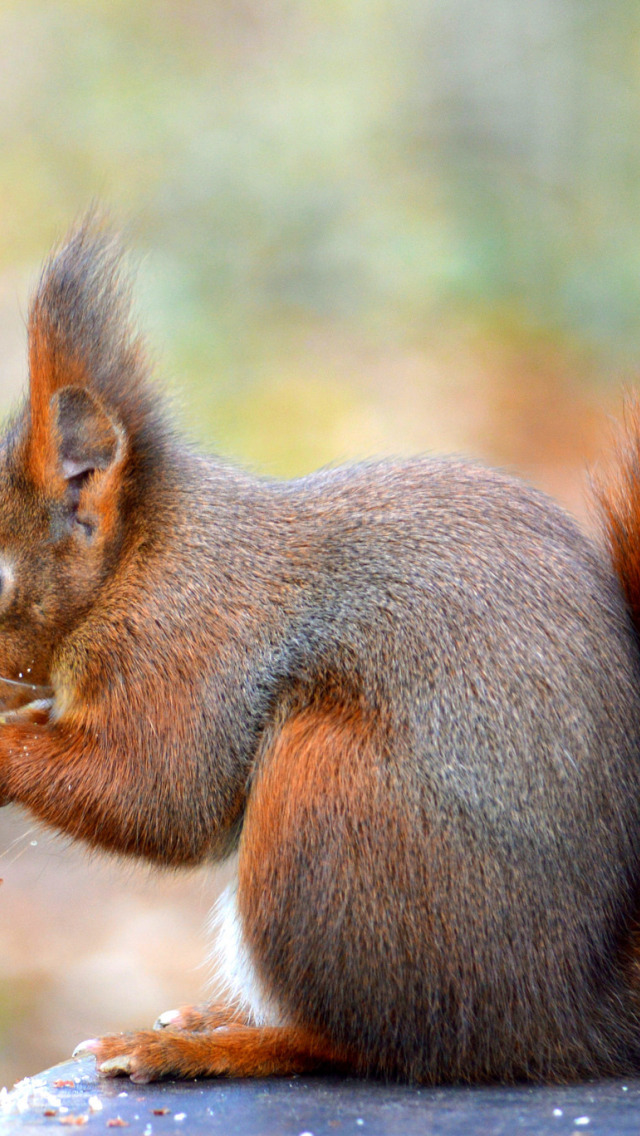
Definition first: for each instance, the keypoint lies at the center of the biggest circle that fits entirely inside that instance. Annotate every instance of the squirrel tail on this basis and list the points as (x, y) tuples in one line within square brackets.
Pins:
[(618, 497)]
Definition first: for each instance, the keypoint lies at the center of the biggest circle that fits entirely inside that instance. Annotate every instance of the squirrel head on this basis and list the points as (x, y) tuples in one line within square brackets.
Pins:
[(60, 527), (68, 460)]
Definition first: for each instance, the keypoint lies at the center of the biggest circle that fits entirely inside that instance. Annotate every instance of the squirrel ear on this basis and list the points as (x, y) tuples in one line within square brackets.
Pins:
[(87, 439)]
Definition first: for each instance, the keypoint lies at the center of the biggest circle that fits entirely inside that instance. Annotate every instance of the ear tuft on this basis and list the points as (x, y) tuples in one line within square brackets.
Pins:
[(87, 439), (81, 335)]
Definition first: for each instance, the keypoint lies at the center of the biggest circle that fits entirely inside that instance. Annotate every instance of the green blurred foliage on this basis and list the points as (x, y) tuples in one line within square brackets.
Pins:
[(354, 172)]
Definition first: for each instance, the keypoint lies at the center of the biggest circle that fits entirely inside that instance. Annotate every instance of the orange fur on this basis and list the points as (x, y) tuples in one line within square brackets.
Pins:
[(231, 1051), (619, 498), (204, 1019), (407, 693)]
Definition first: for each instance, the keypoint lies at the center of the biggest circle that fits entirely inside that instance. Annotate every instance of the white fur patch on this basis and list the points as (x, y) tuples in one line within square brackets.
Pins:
[(234, 977)]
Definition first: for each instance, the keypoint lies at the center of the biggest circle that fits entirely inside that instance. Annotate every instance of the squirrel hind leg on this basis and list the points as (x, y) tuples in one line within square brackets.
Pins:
[(233, 1051), (241, 1036), (313, 881)]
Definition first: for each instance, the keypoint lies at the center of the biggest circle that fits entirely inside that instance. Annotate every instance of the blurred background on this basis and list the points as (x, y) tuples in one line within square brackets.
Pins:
[(361, 226)]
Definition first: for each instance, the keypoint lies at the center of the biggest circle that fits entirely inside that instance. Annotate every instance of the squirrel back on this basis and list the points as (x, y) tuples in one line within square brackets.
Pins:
[(406, 693)]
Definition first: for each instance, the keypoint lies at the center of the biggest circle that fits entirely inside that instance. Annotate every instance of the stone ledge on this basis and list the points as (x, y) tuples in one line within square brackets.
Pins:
[(71, 1097)]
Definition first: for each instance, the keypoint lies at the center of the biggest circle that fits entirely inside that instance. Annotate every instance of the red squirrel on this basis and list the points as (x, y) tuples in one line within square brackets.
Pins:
[(405, 693)]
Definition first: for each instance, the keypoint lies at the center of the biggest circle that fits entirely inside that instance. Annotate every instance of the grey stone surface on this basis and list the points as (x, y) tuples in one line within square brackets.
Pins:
[(318, 1105)]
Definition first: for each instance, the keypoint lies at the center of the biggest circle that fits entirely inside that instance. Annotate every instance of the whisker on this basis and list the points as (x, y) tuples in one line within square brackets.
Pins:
[(23, 685), (18, 839)]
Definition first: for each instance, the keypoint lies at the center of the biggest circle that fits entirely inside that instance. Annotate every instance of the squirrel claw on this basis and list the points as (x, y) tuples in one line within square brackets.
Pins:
[(166, 1019), (86, 1048)]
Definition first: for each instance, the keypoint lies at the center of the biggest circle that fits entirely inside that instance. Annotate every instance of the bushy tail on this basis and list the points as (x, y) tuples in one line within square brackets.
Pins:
[(618, 497)]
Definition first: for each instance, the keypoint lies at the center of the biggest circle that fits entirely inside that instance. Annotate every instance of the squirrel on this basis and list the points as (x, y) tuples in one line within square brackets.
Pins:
[(405, 693)]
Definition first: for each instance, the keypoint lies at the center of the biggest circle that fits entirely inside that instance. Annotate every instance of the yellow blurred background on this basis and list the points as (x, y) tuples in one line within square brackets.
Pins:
[(361, 226)]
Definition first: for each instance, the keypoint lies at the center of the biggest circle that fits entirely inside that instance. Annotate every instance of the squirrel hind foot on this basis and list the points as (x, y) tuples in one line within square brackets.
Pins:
[(201, 1019), (237, 1051)]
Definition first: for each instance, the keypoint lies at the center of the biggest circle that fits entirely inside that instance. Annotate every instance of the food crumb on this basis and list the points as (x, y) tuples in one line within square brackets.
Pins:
[(117, 1122), (161, 1111), (72, 1119)]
